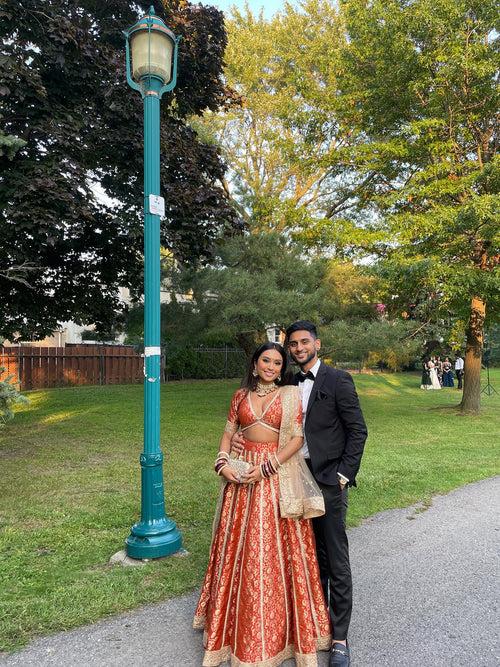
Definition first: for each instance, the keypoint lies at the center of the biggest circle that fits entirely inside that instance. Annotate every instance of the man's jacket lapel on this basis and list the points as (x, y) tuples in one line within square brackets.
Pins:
[(318, 382)]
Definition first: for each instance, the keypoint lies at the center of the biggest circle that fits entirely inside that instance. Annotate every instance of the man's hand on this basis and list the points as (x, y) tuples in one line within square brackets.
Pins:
[(237, 443), (253, 475)]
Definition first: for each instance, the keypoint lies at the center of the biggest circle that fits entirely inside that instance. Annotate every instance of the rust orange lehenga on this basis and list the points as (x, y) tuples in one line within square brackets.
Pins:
[(261, 602)]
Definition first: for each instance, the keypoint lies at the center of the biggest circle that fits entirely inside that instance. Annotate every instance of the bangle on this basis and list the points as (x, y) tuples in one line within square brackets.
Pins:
[(219, 464), (222, 454), (267, 469), (277, 461), (221, 468)]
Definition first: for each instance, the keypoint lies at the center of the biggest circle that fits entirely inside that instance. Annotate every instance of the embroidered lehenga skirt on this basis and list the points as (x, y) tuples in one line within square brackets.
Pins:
[(261, 602)]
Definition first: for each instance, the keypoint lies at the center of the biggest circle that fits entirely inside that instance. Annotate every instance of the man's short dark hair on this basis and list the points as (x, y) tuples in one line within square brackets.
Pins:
[(302, 325)]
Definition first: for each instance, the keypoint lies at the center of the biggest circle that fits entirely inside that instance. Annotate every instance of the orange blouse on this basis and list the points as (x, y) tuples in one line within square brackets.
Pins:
[(242, 414)]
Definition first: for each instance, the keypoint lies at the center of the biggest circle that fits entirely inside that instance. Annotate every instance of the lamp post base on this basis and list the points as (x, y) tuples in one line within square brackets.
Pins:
[(153, 540)]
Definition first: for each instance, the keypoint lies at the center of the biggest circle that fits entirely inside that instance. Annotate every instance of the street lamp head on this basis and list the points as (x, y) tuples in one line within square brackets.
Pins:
[(152, 48)]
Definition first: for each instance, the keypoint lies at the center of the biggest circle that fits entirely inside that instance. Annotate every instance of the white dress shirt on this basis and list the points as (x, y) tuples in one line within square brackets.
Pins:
[(305, 391), (459, 364)]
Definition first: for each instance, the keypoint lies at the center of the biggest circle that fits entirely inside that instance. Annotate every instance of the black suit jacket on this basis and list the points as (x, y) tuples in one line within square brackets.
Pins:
[(335, 429)]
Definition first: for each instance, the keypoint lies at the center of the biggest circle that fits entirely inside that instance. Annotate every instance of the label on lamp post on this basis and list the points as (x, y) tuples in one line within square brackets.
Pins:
[(156, 205)]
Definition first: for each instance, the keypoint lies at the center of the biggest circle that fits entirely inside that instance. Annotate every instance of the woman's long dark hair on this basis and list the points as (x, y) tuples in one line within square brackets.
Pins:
[(250, 382)]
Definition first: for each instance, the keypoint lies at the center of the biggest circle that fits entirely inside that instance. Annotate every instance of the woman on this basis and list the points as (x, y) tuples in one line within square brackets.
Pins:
[(425, 382), (433, 375), (439, 369), (447, 373), (262, 602)]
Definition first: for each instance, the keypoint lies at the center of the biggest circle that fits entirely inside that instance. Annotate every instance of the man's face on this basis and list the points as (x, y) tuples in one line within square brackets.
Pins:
[(303, 347)]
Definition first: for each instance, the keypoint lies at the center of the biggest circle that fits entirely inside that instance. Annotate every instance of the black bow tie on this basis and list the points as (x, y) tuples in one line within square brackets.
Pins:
[(306, 376)]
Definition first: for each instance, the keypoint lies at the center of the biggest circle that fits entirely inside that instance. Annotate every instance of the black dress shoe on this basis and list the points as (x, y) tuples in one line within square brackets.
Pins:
[(339, 656)]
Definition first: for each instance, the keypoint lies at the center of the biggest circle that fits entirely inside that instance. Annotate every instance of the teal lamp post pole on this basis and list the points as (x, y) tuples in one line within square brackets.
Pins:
[(152, 48)]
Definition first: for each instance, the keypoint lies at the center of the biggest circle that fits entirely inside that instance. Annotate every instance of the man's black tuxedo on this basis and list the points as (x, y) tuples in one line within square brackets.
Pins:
[(335, 430), (335, 433)]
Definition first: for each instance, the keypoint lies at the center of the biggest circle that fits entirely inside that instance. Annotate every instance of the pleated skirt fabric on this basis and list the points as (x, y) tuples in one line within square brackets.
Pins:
[(261, 601)]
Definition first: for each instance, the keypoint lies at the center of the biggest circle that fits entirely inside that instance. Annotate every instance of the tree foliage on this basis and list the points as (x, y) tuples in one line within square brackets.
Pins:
[(71, 125), (256, 282), (380, 342), (421, 84), (287, 144)]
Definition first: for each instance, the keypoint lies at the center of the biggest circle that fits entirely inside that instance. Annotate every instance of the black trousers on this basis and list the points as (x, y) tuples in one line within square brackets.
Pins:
[(460, 376), (333, 557)]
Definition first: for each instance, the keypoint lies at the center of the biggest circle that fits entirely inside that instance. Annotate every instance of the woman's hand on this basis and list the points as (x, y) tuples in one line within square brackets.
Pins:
[(253, 475), (228, 473)]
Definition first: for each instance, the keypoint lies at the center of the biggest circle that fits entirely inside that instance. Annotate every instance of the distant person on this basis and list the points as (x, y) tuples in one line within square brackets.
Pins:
[(459, 369), (435, 384), (425, 382), (439, 369), (262, 601), (447, 373)]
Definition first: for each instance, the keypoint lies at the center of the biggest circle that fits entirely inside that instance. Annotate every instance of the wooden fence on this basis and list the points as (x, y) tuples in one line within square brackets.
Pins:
[(40, 367)]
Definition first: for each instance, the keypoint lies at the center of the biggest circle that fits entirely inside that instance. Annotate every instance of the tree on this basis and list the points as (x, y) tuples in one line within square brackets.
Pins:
[(421, 82), (390, 343), (286, 144), (258, 281), (71, 126)]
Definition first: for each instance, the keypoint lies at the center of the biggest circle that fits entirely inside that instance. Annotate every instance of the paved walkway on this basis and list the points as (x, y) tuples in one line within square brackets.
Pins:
[(426, 592)]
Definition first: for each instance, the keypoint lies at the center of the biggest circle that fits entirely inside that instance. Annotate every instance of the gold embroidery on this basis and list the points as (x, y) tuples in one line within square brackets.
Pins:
[(300, 497), (261, 565), (230, 427), (238, 552), (215, 658), (262, 601), (282, 566)]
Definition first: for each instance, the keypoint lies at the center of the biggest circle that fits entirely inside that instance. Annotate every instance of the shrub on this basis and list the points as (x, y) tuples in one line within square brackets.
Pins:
[(9, 396)]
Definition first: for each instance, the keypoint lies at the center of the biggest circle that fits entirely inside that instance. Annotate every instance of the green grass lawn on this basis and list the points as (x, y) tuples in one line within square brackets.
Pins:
[(69, 488)]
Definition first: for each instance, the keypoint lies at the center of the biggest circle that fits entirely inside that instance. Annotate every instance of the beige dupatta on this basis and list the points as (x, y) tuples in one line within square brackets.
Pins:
[(300, 496)]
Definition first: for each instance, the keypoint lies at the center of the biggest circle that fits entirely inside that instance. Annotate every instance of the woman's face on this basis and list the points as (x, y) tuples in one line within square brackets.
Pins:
[(269, 365)]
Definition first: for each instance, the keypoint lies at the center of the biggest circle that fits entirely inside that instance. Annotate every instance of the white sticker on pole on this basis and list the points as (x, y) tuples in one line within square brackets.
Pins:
[(156, 205), (152, 351)]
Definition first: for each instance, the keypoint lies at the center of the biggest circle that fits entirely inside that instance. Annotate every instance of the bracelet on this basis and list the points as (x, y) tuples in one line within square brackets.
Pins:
[(267, 469), (220, 462), (222, 454), (221, 468)]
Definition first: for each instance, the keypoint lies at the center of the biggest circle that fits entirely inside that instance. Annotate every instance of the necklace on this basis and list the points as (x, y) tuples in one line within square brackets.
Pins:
[(265, 389)]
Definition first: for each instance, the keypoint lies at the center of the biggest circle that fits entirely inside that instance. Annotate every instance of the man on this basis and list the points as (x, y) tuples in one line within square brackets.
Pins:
[(459, 370), (334, 438)]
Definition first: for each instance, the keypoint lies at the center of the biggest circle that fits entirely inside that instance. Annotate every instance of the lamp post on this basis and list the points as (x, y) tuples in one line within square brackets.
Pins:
[(151, 57)]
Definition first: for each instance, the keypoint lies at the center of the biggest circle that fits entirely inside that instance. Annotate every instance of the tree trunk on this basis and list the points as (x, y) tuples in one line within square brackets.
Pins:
[(249, 341), (471, 399)]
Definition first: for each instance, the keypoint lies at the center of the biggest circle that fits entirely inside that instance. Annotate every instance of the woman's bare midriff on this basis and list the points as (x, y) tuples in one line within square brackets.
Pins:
[(260, 434)]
